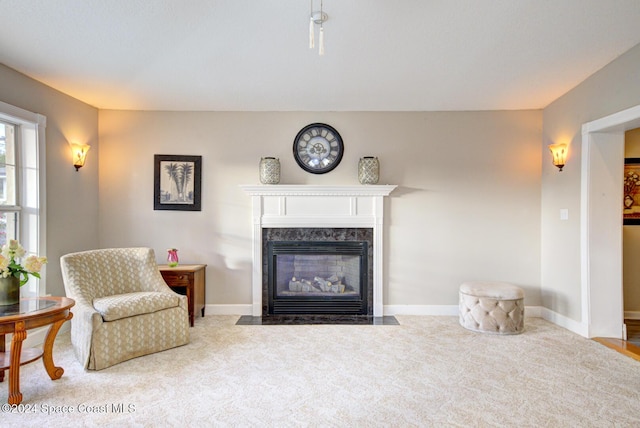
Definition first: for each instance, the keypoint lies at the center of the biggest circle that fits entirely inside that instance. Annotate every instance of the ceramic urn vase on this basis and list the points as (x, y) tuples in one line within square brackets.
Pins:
[(269, 170), (368, 170)]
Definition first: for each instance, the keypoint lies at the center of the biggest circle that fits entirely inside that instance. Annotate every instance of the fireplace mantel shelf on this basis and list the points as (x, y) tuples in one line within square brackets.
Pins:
[(318, 190), (335, 206)]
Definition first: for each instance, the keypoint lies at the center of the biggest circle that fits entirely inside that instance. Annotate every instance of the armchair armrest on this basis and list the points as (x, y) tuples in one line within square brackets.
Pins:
[(86, 320)]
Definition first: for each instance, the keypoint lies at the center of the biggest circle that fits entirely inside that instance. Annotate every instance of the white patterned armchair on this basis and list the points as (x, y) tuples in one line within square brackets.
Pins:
[(123, 309)]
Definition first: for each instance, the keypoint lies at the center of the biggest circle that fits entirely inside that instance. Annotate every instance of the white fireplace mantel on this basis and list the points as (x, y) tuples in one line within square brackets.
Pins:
[(318, 206)]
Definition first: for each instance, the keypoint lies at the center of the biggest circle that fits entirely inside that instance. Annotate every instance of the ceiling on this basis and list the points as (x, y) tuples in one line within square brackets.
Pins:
[(253, 55)]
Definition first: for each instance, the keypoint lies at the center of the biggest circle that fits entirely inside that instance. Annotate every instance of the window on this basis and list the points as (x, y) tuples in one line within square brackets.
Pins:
[(9, 210), (21, 190)]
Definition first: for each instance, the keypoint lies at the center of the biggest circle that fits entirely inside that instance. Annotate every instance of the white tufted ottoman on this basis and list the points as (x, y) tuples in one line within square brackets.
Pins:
[(492, 307)]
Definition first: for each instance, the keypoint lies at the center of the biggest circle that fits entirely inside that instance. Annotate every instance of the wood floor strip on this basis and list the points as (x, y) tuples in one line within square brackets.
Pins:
[(622, 346)]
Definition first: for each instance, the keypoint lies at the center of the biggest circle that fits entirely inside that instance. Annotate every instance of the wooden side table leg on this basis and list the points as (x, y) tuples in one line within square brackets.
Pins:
[(191, 304), (2, 345), (47, 355), (20, 334)]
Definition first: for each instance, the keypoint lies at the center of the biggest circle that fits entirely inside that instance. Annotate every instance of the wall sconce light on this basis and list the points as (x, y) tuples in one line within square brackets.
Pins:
[(559, 153), (79, 154)]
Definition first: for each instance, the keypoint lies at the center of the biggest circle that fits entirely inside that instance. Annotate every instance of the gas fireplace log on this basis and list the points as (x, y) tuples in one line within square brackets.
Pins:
[(328, 286), (318, 285), (302, 285)]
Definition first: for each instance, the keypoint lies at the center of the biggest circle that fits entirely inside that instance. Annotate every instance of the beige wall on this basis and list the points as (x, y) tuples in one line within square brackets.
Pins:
[(614, 88), (631, 241), (72, 197), (467, 206)]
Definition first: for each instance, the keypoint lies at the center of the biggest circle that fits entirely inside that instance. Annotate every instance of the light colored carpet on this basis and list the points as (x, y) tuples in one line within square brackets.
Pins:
[(427, 371)]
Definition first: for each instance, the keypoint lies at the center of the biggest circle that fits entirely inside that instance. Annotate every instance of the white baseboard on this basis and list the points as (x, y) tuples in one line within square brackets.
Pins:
[(533, 312), (443, 310), (631, 315), (228, 310), (564, 322)]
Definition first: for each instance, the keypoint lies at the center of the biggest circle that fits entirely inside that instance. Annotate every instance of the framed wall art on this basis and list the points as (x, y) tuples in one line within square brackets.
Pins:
[(631, 201), (177, 182)]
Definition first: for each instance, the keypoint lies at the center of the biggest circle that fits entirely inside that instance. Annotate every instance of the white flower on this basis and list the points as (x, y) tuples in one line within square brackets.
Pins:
[(10, 266), (34, 263), (4, 263), (13, 249)]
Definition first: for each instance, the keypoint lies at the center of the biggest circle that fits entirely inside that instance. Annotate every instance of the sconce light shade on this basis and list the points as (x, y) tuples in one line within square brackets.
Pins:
[(79, 154), (559, 153)]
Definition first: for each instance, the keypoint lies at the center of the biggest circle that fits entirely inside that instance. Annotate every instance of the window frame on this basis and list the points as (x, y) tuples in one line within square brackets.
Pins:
[(30, 171)]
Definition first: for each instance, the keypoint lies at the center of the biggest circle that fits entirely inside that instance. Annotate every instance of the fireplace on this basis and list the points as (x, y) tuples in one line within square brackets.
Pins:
[(314, 271), (298, 213)]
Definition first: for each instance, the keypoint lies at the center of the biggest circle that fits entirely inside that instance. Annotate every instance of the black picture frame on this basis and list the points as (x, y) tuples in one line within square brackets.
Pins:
[(171, 190), (631, 201)]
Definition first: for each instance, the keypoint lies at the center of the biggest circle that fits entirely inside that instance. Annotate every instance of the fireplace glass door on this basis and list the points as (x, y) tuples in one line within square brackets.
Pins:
[(311, 277)]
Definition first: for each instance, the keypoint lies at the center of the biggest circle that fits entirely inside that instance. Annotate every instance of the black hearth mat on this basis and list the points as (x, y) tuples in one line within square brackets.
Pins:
[(317, 319)]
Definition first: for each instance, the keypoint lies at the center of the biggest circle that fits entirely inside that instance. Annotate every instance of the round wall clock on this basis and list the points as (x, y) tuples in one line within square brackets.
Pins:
[(318, 148)]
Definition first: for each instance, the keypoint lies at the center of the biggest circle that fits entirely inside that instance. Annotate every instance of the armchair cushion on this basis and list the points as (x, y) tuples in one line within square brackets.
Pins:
[(121, 306)]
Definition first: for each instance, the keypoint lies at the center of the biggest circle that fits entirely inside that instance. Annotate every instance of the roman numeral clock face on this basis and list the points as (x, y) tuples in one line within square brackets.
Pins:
[(318, 148)]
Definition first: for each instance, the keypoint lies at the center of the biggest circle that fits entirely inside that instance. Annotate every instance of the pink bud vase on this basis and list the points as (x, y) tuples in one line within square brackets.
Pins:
[(172, 257)]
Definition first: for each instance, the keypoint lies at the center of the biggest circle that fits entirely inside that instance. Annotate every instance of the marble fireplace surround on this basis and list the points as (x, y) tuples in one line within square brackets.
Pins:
[(314, 206)]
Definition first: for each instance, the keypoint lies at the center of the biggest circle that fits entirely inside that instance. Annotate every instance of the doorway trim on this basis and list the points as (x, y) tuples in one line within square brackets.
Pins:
[(601, 222)]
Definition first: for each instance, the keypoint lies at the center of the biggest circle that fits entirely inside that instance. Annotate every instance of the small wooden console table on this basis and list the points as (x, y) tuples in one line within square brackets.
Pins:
[(17, 319), (187, 280)]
